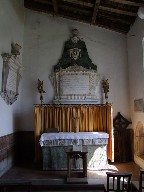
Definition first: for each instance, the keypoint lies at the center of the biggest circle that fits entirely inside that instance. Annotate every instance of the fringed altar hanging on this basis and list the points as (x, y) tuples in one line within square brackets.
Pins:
[(91, 118)]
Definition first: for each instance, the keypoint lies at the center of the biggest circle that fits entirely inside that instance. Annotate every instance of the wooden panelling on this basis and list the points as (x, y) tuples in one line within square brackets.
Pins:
[(18, 146), (24, 146)]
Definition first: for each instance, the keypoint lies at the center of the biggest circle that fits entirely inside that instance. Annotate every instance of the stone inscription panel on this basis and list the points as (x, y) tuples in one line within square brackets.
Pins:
[(75, 84)]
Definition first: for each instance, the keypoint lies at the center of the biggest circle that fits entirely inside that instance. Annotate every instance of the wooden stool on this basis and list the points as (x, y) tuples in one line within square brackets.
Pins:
[(76, 155), (139, 185)]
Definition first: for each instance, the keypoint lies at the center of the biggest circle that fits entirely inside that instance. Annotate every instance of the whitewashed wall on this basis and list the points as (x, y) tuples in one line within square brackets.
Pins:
[(44, 37), (136, 73), (11, 30)]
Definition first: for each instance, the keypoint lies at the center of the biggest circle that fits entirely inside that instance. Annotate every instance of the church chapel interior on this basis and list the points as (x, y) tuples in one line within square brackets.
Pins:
[(78, 67)]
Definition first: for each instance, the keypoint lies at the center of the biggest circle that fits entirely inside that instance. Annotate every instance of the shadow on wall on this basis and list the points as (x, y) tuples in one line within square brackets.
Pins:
[(19, 9)]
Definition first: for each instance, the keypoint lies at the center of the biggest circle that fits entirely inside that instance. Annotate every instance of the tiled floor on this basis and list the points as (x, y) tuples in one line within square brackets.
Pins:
[(34, 171)]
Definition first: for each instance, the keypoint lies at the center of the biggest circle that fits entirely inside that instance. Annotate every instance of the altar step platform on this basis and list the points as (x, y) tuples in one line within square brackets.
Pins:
[(44, 185)]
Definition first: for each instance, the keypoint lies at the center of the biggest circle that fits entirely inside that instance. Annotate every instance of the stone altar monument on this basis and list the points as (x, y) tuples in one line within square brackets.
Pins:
[(75, 78)]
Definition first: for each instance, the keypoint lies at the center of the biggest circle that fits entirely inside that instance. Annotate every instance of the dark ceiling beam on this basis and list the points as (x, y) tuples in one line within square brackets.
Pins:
[(95, 11), (117, 20), (119, 30), (118, 11), (133, 3), (55, 6), (36, 5), (42, 2), (78, 2), (113, 28), (74, 10)]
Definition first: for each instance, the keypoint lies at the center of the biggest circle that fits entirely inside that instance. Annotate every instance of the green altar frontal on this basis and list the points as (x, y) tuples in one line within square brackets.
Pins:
[(55, 157), (55, 145)]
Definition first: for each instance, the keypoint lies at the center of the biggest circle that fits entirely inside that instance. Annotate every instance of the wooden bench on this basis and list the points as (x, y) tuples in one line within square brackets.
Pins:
[(139, 185), (119, 181)]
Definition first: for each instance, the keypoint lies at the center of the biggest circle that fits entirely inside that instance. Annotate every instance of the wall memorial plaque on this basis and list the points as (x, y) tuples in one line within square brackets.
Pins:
[(11, 76), (75, 78), (76, 85)]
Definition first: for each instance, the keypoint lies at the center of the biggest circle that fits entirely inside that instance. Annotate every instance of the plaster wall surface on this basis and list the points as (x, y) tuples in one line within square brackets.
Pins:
[(11, 30), (44, 38)]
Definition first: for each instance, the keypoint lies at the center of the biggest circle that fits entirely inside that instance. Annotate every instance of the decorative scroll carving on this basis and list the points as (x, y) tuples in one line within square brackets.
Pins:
[(121, 147), (11, 75), (75, 53), (15, 49), (120, 123)]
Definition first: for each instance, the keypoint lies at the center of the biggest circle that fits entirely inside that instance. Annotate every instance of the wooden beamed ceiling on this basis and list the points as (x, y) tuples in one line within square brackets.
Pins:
[(116, 15)]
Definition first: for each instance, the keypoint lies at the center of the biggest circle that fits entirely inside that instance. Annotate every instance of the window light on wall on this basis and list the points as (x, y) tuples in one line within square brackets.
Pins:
[(141, 12), (143, 51)]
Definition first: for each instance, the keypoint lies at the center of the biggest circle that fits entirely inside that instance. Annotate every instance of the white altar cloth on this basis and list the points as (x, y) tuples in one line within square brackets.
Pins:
[(71, 138)]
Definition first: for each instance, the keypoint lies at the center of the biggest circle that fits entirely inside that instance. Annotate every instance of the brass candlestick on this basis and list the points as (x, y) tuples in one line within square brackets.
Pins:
[(105, 85), (40, 90)]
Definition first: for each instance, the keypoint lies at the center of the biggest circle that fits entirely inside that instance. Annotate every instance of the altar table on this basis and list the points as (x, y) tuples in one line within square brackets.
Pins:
[(55, 145)]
